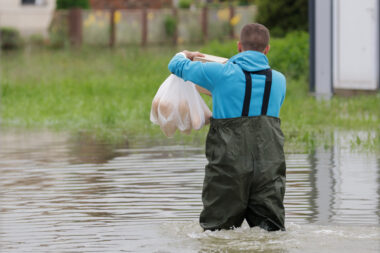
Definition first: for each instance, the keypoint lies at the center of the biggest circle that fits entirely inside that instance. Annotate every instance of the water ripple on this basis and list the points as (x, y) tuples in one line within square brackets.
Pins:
[(149, 199)]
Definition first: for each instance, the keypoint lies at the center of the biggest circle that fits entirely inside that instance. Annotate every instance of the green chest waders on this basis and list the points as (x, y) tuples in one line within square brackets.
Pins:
[(245, 174)]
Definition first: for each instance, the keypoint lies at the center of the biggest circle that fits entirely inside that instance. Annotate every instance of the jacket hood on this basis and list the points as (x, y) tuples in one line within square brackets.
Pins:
[(250, 60)]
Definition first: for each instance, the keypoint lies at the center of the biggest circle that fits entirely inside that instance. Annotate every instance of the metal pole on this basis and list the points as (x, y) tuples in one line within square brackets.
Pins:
[(312, 45), (144, 32), (323, 39), (378, 50), (205, 24), (232, 14), (175, 34), (112, 30)]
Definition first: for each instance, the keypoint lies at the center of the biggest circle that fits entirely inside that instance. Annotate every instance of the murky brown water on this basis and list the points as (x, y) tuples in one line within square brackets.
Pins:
[(65, 195)]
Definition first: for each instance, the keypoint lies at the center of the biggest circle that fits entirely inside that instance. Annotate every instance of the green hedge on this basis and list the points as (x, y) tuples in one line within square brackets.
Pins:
[(67, 4), (283, 16), (289, 55)]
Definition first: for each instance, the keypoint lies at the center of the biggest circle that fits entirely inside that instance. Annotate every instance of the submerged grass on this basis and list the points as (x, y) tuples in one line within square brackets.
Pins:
[(108, 93), (102, 91)]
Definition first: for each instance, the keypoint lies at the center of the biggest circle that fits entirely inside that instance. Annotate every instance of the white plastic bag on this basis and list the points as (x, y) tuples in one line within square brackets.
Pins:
[(178, 105)]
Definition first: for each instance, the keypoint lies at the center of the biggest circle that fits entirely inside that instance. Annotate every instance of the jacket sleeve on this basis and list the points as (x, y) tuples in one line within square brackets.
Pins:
[(205, 75)]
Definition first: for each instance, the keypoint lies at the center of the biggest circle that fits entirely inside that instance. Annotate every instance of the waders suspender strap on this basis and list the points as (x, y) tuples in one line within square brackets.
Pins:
[(247, 96), (248, 90)]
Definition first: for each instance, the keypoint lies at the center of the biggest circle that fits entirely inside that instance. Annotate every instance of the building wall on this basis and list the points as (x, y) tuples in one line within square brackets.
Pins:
[(355, 40), (344, 46), (129, 4), (28, 19)]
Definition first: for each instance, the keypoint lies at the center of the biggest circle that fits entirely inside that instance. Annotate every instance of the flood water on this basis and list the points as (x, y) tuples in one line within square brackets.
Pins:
[(63, 194)]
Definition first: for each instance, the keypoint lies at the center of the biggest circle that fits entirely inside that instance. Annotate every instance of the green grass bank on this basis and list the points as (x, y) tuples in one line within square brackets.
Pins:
[(108, 93)]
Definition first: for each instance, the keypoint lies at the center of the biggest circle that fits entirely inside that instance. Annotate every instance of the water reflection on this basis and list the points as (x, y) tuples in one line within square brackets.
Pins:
[(58, 195), (322, 181), (344, 184), (86, 148)]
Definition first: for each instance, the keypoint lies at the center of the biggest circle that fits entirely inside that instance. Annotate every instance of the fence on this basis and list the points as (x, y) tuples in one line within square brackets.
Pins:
[(147, 26)]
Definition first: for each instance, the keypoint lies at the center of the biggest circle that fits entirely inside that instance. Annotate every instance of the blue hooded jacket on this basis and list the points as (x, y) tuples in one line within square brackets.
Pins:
[(226, 82)]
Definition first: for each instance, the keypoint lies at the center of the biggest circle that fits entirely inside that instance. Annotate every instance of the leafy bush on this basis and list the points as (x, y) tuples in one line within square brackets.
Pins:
[(233, 2), (222, 49), (67, 4), (289, 55), (58, 39), (283, 16), (58, 30), (246, 2), (36, 40), (10, 38), (185, 4), (170, 25)]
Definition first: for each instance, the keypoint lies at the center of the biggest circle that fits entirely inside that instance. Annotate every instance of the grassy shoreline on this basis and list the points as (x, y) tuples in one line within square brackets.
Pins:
[(108, 93)]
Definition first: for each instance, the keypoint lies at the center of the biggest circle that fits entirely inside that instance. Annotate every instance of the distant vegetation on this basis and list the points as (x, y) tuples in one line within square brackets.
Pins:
[(170, 24), (289, 55), (184, 4), (67, 4), (109, 92), (283, 16), (10, 38)]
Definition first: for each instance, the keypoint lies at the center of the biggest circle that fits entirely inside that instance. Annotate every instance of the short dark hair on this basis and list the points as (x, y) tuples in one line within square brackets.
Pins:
[(254, 37)]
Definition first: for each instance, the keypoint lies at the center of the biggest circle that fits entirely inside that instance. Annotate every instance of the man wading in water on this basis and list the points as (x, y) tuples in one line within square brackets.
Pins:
[(245, 175)]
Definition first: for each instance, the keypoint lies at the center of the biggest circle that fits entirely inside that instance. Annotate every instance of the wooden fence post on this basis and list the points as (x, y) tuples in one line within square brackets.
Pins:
[(232, 14), (75, 27), (113, 28), (175, 34), (205, 23), (144, 32)]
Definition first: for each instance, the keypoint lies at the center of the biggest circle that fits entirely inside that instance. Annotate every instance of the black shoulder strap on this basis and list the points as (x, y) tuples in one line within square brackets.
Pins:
[(268, 86), (248, 90)]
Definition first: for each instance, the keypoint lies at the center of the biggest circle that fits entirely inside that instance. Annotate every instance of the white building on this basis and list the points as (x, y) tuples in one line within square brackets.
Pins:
[(344, 46), (27, 16)]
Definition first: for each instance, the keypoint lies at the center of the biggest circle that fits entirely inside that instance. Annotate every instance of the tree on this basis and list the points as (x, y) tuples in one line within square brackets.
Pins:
[(67, 4), (283, 16)]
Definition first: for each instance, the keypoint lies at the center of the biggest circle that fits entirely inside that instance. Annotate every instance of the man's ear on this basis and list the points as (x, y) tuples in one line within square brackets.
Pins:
[(266, 50), (239, 46)]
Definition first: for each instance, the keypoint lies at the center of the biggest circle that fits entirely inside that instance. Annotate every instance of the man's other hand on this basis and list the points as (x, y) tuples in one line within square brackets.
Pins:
[(191, 55)]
